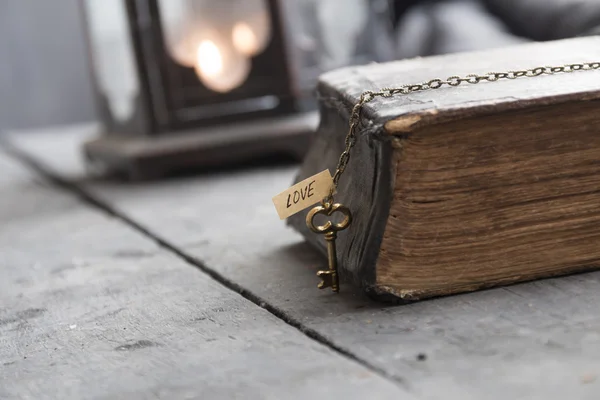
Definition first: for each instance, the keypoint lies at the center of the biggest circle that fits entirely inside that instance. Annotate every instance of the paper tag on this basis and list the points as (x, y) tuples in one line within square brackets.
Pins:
[(303, 194)]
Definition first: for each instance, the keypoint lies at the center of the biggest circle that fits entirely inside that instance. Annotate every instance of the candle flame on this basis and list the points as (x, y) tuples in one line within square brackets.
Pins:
[(210, 60), (244, 39)]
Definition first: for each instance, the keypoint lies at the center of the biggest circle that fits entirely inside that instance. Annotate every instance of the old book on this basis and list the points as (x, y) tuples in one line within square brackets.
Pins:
[(465, 187)]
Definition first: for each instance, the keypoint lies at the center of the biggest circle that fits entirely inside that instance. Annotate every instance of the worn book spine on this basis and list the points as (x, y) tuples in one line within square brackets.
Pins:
[(367, 185)]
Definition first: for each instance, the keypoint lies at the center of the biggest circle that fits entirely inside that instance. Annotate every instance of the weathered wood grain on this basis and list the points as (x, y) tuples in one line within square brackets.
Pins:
[(91, 309), (538, 340)]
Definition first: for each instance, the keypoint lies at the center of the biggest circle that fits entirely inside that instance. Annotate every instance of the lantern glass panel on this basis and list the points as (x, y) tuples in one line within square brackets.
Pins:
[(217, 39), (112, 56)]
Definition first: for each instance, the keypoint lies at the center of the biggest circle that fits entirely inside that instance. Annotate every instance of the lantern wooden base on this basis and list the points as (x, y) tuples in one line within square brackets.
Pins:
[(147, 157)]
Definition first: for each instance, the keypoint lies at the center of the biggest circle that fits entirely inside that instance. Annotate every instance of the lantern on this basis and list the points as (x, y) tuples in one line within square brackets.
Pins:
[(183, 83)]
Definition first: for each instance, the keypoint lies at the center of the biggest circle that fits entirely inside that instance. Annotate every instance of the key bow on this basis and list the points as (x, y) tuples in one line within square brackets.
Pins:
[(328, 210)]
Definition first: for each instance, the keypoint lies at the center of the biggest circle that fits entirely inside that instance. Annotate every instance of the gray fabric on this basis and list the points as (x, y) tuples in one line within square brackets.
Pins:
[(548, 19), (450, 27), (441, 27)]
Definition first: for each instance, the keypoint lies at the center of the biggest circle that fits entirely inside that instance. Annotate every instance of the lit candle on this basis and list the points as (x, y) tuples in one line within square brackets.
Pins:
[(219, 65)]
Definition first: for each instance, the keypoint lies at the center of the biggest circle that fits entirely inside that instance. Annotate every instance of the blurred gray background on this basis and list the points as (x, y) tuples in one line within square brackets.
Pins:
[(37, 87), (45, 76)]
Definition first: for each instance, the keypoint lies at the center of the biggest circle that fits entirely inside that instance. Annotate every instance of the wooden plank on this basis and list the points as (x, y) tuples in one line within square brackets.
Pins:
[(538, 340), (91, 309)]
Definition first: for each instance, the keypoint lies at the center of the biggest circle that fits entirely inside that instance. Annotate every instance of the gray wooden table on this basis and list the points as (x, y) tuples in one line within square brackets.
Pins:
[(192, 288)]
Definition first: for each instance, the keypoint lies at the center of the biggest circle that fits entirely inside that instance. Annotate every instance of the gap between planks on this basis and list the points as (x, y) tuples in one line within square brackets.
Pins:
[(98, 204)]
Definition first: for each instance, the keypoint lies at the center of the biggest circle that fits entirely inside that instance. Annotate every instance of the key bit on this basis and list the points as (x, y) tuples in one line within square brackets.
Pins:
[(327, 280)]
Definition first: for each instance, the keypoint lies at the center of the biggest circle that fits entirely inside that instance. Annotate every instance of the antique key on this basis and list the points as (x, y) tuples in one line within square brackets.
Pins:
[(330, 277)]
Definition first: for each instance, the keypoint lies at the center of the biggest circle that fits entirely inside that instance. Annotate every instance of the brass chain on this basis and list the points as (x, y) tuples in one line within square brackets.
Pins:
[(369, 95)]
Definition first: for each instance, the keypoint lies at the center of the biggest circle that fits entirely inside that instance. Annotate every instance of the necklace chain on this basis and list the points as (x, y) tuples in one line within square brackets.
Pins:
[(369, 95)]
